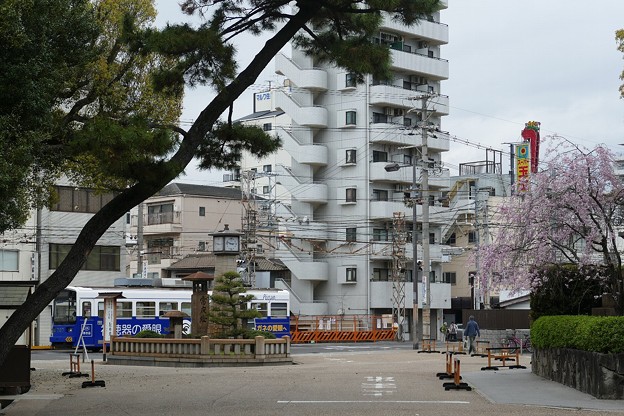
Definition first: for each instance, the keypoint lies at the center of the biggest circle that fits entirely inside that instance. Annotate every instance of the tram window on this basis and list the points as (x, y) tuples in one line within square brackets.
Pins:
[(145, 309), (279, 309), (186, 308), (100, 309), (124, 309), (263, 308), (164, 307), (65, 308), (86, 309)]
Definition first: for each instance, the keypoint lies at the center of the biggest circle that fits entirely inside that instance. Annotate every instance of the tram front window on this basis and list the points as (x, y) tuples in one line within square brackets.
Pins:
[(65, 308)]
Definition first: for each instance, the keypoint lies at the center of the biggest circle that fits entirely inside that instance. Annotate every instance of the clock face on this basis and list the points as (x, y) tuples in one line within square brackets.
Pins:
[(217, 244), (231, 243)]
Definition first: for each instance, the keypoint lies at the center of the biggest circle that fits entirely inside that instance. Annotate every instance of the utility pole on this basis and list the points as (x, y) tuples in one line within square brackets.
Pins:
[(398, 273), (426, 262), (140, 241)]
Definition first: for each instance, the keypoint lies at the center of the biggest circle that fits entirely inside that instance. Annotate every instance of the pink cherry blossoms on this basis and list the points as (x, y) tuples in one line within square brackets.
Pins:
[(569, 215)]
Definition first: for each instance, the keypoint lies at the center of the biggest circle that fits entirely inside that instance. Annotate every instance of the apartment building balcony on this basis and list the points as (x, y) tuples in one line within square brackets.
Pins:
[(302, 189), (401, 135), (162, 223), (307, 154), (306, 270), (379, 173), (309, 116), (386, 209), (304, 229), (435, 68), (307, 78), (435, 32)]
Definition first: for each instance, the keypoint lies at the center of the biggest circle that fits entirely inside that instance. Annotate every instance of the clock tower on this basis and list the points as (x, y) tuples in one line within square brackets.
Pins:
[(226, 247)]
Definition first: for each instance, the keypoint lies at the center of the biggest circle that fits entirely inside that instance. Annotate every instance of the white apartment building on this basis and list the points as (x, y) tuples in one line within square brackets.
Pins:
[(30, 254), (334, 201)]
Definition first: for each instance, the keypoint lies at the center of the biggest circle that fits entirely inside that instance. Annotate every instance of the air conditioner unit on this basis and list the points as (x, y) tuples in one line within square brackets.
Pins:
[(389, 111), (422, 45), (398, 111)]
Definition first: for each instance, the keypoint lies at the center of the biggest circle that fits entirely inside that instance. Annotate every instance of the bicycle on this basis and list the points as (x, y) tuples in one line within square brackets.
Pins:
[(514, 343)]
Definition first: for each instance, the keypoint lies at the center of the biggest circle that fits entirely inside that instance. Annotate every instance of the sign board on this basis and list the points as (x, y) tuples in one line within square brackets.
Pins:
[(278, 326)]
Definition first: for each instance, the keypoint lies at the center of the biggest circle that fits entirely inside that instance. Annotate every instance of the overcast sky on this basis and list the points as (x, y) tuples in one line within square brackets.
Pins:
[(511, 61)]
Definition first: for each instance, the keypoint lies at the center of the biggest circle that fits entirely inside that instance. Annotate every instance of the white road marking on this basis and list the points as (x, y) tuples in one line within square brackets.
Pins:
[(372, 401)]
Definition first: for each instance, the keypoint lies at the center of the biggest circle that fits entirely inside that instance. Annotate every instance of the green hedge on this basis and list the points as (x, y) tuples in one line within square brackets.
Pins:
[(603, 334)]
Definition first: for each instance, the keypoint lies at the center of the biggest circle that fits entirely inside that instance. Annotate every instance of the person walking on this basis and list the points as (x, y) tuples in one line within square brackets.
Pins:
[(453, 332), (472, 331)]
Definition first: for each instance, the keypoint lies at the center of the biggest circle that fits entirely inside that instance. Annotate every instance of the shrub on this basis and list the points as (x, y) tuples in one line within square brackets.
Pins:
[(604, 334), (254, 333), (148, 334)]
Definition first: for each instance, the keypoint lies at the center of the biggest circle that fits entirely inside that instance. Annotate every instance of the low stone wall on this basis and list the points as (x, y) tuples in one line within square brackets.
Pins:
[(204, 352), (601, 375)]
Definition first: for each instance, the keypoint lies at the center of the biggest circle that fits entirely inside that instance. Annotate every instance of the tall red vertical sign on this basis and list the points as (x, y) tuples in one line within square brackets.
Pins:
[(531, 134)]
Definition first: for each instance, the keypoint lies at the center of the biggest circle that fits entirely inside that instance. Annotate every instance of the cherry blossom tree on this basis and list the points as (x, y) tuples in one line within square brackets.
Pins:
[(570, 215)]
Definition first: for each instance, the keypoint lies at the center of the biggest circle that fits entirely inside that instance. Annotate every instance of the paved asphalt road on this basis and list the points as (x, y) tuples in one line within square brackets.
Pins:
[(362, 380)]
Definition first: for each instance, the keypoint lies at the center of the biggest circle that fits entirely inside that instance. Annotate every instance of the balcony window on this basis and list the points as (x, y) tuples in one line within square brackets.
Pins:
[(380, 118), (267, 168), (267, 127), (380, 234), (350, 118), (351, 274), (160, 214), (351, 235), (350, 156), (72, 199), (381, 275), (379, 156), (380, 195), (351, 194)]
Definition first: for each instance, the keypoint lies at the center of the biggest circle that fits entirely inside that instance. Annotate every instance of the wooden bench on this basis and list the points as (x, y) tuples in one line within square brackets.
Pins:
[(505, 355)]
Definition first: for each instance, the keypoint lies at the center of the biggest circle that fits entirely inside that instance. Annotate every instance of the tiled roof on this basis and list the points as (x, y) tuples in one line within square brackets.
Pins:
[(194, 262)]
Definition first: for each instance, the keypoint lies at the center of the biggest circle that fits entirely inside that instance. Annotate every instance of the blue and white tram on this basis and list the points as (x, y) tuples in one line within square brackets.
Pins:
[(143, 309)]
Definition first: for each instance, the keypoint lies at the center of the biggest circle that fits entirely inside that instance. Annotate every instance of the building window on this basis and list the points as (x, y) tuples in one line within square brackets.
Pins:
[(452, 240), (265, 189), (431, 238), (379, 156), (201, 246), (380, 195), (128, 218), (380, 118), (266, 168), (350, 156), (350, 80), (351, 194), (381, 275), (351, 235), (72, 199), (160, 214), (407, 122), (350, 118), (449, 277), (9, 260), (202, 211), (101, 258), (380, 234), (472, 237), (351, 274), (267, 127)]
